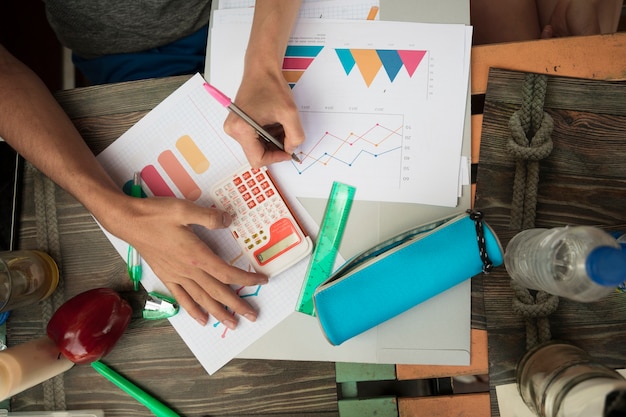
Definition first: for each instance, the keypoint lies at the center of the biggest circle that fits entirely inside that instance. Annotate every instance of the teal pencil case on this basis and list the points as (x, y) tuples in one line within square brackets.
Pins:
[(396, 275)]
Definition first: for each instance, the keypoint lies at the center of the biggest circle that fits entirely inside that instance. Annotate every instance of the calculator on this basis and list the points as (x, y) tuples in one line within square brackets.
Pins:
[(263, 225)]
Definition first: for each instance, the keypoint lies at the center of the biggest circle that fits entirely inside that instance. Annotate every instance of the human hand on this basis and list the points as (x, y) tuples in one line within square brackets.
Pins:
[(160, 229), (268, 100)]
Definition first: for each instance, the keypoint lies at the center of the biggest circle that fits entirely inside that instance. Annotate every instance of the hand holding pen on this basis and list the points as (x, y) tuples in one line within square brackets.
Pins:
[(263, 148)]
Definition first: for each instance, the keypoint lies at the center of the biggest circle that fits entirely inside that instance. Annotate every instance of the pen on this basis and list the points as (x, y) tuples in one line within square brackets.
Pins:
[(228, 103), (134, 259), (155, 406)]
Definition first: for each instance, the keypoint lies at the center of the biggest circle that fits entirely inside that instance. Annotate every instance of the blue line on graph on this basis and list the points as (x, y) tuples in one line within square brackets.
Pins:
[(341, 161)]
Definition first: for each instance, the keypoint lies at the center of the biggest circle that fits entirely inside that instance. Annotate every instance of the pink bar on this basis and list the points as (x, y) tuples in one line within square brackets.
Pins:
[(179, 175), (296, 63), (155, 182)]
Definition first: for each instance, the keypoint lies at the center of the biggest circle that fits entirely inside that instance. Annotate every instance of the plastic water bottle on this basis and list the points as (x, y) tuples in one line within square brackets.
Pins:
[(582, 263), (621, 239)]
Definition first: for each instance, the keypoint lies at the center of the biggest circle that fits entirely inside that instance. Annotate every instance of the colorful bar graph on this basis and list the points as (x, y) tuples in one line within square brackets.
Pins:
[(370, 61), (179, 176), (297, 59)]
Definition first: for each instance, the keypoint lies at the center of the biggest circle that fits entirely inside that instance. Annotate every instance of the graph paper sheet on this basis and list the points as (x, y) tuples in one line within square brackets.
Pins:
[(382, 105), (181, 150)]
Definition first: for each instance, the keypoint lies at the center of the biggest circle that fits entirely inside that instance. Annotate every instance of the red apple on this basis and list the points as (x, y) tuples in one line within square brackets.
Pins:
[(86, 327)]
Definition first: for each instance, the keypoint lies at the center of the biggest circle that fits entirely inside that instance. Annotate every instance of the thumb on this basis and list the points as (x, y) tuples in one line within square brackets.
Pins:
[(294, 133)]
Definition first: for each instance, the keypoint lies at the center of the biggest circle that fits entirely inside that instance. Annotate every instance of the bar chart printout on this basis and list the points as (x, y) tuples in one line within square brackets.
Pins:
[(181, 150), (382, 105)]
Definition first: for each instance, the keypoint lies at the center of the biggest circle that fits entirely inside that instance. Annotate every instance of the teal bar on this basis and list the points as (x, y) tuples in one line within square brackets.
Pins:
[(309, 51)]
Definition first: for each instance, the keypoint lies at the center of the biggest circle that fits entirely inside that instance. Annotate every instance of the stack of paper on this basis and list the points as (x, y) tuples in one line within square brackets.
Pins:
[(383, 106)]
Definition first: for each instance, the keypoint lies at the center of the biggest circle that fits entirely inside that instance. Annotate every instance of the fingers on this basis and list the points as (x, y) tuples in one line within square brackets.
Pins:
[(203, 304), (258, 152), (202, 294)]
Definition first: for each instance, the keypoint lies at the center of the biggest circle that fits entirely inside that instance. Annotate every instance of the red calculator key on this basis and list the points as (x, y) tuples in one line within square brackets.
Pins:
[(246, 175), (269, 193), (237, 181), (265, 185)]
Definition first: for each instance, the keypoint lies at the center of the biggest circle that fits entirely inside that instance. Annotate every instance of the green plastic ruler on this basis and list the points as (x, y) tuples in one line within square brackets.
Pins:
[(328, 240)]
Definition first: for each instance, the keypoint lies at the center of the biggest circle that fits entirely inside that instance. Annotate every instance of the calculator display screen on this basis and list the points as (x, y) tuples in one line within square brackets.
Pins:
[(283, 236)]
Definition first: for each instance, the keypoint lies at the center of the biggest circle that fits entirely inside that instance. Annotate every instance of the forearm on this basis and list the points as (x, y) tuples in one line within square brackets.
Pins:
[(271, 28), (34, 124)]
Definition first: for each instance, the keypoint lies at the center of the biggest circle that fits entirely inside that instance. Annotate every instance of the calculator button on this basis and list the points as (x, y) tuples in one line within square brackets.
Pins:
[(256, 190), (246, 175), (269, 193), (260, 198), (246, 196), (237, 181), (265, 185), (251, 204), (241, 188), (251, 183)]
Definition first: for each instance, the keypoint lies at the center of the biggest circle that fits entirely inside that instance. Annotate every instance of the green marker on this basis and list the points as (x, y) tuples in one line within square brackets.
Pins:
[(134, 259), (155, 406)]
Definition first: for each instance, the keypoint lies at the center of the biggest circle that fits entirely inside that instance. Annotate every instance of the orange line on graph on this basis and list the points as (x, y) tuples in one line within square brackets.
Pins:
[(346, 141)]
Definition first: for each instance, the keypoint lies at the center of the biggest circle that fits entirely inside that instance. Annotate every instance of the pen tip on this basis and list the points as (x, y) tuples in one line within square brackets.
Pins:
[(295, 158)]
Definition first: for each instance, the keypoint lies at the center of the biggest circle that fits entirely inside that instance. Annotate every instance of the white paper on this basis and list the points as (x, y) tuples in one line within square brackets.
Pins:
[(191, 112), (382, 105)]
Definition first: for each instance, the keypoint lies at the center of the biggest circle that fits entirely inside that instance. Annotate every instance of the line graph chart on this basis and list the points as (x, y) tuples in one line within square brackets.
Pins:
[(349, 148), (362, 149)]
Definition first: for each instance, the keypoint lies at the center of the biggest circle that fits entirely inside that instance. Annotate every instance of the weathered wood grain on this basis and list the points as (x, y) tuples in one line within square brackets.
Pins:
[(583, 181), (150, 353)]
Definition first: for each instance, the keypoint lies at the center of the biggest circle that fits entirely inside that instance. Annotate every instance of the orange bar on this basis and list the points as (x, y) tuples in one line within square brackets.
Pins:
[(461, 405), (192, 154), (595, 57)]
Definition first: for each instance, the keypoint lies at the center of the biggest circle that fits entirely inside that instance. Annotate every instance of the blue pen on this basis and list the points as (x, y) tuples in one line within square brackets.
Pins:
[(134, 259)]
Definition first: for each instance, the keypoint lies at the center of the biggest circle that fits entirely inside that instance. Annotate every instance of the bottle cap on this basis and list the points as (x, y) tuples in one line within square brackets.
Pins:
[(607, 266)]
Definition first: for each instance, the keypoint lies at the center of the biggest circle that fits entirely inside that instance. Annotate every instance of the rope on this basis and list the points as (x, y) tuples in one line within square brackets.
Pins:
[(48, 241), (530, 142)]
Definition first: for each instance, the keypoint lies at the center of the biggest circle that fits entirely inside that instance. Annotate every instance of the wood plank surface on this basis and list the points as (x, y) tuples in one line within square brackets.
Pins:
[(463, 405), (583, 181), (150, 353)]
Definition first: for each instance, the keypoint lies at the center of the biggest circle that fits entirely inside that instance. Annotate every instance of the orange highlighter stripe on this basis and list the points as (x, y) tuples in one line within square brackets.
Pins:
[(179, 175), (192, 154), (373, 12)]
